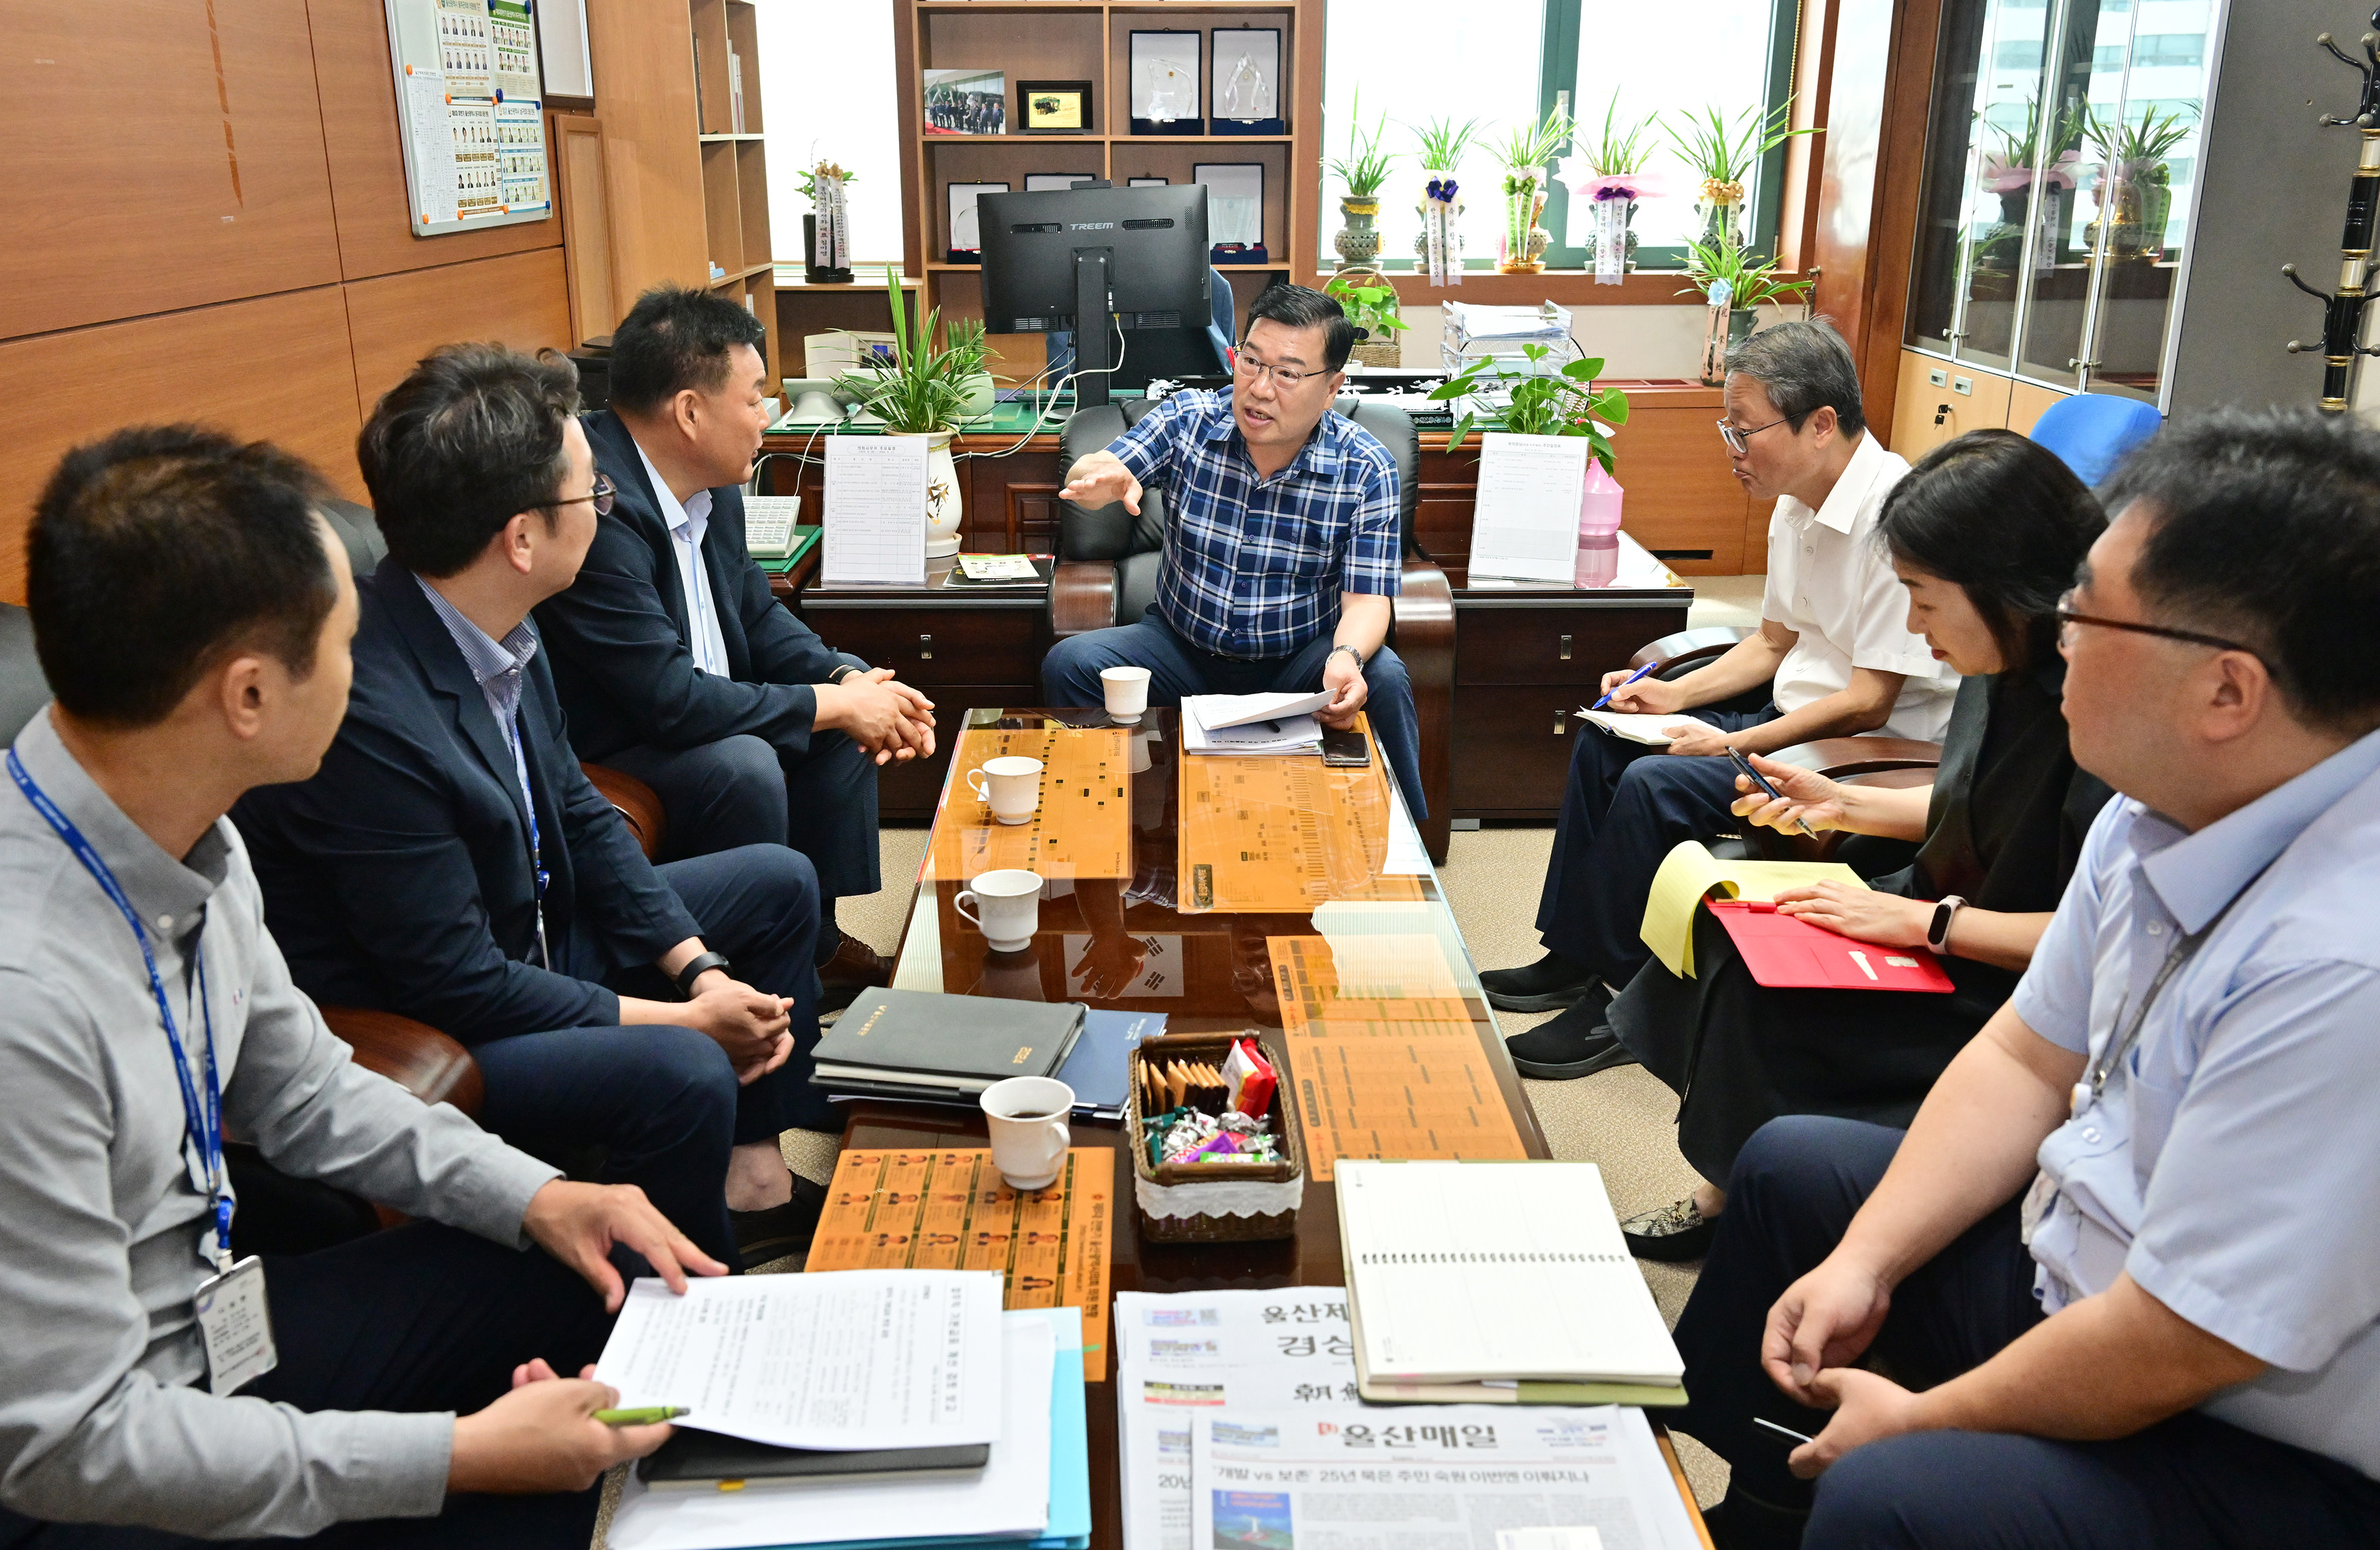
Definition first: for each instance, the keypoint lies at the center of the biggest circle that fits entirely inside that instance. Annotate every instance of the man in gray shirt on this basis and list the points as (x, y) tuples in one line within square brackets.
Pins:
[(192, 615)]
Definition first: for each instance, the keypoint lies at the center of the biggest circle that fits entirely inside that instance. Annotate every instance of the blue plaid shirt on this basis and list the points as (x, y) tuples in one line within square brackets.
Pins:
[(1253, 567)]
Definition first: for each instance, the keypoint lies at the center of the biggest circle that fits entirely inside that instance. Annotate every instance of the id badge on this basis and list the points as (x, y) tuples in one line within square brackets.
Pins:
[(237, 1326)]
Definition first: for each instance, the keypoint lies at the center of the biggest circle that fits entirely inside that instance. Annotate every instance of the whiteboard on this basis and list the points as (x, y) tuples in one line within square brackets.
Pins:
[(470, 114)]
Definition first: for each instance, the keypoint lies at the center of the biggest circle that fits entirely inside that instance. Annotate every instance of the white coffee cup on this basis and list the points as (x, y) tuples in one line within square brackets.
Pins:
[(1028, 1118), (1009, 900), (1011, 785), (1127, 691)]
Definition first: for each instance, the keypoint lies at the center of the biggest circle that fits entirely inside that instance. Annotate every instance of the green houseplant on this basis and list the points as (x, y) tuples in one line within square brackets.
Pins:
[(1750, 282), (1617, 149), (1526, 151), (1443, 144), (927, 390), (1562, 403), (2136, 188), (1723, 152), (1370, 302), (1360, 173)]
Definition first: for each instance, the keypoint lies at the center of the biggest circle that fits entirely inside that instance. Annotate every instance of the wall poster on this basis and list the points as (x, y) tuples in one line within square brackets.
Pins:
[(470, 114)]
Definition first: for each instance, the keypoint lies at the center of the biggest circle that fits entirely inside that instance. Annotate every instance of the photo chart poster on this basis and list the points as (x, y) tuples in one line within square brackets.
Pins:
[(470, 106)]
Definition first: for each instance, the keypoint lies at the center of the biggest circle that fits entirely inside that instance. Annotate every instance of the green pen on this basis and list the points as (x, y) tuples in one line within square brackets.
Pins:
[(646, 1417)]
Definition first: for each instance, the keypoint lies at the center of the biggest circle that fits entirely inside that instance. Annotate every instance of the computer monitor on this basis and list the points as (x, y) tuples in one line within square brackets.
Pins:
[(1075, 258)]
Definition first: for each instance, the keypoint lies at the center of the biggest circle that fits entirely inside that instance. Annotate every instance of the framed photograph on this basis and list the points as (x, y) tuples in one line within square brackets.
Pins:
[(1165, 83), (1234, 208), (1148, 183), (966, 102), (966, 236), (1054, 107), (1041, 182), (1246, 98)]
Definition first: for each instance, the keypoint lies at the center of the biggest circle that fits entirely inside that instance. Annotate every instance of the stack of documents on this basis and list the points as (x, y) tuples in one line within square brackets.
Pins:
[(1098, 1069), (1245, 724), (914, 1043), (852, 1360)]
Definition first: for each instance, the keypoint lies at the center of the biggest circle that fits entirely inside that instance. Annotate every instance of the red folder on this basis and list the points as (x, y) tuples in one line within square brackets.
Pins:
[(1786, 953)]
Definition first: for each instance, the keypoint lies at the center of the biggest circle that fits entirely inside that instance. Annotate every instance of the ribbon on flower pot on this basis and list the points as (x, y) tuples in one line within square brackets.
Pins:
[(1438, 229), (1612, 194)]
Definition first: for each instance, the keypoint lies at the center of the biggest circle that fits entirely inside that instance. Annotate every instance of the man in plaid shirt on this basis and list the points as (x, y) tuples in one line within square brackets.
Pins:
[(1282, 551)]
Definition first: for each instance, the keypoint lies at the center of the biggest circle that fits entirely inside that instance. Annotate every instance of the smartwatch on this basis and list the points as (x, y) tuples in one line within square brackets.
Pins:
[(699, 965), (841, 673), (1938, 930)]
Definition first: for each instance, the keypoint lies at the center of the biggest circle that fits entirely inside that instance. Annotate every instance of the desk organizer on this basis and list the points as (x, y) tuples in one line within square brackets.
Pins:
[(1216, 1202)]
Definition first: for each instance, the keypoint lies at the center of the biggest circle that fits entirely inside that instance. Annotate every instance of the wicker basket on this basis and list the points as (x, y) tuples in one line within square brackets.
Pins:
[(1216, 1227)]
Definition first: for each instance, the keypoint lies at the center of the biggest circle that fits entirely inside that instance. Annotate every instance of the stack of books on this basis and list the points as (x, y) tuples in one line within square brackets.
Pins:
[(923, 1047)]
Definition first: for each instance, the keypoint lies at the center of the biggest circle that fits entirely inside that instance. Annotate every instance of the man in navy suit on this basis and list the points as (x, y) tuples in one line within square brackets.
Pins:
[(673, 659), (450, 861)]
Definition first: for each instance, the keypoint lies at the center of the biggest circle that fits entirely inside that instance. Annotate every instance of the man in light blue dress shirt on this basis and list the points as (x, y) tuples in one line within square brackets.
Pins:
[(2123, 1270)]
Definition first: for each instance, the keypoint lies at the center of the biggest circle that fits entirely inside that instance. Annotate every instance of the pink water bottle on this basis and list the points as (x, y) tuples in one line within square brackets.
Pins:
[(1599, 528)]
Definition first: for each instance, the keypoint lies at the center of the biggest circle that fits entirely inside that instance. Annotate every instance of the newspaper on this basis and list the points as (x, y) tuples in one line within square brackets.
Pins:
[(1179, 1357), (1447, 1477)]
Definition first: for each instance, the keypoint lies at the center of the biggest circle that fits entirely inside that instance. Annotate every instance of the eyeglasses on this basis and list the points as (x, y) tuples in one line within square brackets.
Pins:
[(1248, 369), (601, 495), (1736, 439), (2067, 618)]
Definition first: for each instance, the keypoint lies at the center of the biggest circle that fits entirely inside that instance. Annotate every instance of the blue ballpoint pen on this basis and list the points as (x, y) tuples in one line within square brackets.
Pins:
[(1618, 687)]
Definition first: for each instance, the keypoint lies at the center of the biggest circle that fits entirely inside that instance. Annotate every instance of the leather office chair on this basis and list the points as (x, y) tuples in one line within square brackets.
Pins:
[(1108, 561)]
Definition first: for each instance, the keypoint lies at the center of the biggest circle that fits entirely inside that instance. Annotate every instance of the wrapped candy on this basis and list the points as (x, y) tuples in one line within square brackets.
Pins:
[(1249, 1079)]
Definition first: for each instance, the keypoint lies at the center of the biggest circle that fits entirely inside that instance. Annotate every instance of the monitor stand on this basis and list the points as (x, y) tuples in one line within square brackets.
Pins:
[(1094, 326)]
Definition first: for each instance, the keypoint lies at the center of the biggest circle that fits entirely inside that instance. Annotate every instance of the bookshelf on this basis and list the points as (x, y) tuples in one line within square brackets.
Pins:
[(1090, 40), (734, 159)]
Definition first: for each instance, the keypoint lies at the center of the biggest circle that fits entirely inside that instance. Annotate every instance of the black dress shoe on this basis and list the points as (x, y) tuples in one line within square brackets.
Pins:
[(775, 1231), (1548, 985), (1671, 1234), (854, 967), (1577, 1043)]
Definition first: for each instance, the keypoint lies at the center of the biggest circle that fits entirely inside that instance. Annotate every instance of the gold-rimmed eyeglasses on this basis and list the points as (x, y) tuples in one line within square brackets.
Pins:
[(601, 495)]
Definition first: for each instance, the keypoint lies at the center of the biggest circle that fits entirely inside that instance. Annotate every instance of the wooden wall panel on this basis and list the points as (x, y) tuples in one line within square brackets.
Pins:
[(159, 156), (517, 299), (359, 135), (644, 86), (276, 368)]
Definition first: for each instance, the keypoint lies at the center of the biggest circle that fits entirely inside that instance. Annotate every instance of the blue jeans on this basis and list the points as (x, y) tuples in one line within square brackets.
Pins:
[(1070, 676), (662, 1100)]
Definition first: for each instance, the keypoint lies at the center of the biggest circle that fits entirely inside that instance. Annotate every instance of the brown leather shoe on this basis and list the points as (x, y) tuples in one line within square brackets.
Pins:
[(854, 967)]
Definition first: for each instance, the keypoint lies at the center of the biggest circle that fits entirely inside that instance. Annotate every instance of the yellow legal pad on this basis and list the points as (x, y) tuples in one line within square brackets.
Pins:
[(1690, 873)]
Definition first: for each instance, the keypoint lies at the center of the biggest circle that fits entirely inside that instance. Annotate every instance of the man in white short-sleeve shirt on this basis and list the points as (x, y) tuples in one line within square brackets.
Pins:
[(1833, 648), (2124, 1267)]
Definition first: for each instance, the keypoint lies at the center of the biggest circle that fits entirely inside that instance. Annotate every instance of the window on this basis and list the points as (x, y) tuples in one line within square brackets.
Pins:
[(1510, 60), (847, 113)]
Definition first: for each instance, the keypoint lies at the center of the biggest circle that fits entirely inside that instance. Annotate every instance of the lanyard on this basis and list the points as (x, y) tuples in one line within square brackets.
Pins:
[(536, 848), (2094, 1082), (205, 1126)]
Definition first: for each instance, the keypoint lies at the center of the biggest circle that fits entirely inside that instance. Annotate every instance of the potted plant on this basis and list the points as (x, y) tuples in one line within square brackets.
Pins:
[(822, 184), (1370, 302), (1735, 283), (928, 391), (1541, 403), (1443, 144), (1723, 155), (1360, 173), (2008, 171), (1609, 171), (1524, 155), (2136, 186)]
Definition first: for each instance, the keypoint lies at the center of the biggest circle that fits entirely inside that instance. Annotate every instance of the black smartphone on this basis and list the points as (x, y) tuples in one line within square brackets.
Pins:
[(1346, 750)]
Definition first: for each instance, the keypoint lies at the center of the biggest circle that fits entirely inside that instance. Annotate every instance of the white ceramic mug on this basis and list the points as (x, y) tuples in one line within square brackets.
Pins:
[(1127, 691), (1007, 907), (1011, 785), (1028, 1118)]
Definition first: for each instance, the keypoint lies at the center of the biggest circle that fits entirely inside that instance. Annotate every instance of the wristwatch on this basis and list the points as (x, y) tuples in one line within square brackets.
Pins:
[(1350, 650), (697, 967), (842, 672), (1938, 930)]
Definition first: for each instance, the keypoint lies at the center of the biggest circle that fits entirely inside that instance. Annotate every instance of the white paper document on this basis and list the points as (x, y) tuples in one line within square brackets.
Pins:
[(1246, 732), (1526, 522), (875, 509), (1242, 710), (1371, 1479), (1182, 1356), (1008, 1498), (1461, 1272), (851, 1359), (1637, 727), (997, 568)]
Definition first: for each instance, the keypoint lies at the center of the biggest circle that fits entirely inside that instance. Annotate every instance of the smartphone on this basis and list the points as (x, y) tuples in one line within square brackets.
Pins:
[(1346, 750)]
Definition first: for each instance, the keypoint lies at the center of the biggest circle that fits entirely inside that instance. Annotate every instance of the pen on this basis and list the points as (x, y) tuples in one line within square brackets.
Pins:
[(645, 1417), (1618, 687), (1781, 1431)]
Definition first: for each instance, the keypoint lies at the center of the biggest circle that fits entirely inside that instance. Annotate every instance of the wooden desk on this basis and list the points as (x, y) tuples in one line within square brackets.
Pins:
[(1226, 985)]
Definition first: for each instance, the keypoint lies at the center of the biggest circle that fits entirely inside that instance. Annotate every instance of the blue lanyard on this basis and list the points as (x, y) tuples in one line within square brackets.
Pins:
[(206, 1125), (536, 848)]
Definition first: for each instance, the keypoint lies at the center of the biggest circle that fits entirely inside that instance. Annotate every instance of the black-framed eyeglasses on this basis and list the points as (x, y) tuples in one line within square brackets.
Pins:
[(1736, 439), (2067, 618), (601, 495)]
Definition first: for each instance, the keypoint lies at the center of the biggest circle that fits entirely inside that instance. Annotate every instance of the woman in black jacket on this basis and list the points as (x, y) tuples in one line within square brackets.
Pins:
[(1985, 533)]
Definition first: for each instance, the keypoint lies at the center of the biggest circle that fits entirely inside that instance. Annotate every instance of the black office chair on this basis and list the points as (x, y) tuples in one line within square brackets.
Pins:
[(1108, 562)]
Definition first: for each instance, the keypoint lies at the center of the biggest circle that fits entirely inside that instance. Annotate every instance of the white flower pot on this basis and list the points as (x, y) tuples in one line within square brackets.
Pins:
[(943, 505)]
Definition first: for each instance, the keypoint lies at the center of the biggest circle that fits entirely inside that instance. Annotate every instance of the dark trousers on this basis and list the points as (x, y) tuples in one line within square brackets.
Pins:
[(1625, 807), (2189, 1482), (1070, 676), (742, 790), (662, 1100), (420, 1318)]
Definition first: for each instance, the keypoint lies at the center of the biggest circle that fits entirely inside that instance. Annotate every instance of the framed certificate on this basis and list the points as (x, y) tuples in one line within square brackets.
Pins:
[(1042, 182), (966, 235), (1165, 83), (1148, 183), (1246, 97), (1234, 208), (1054, 107)]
